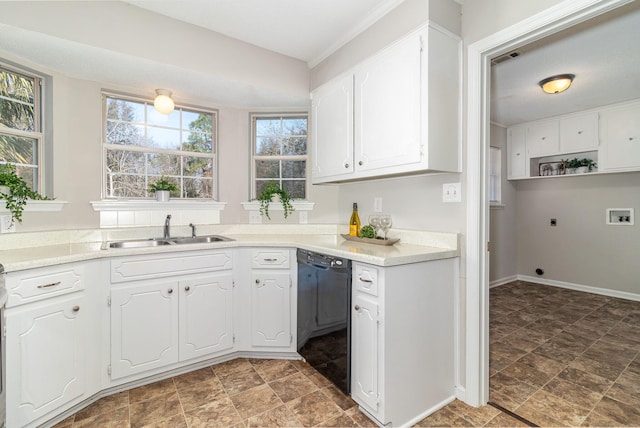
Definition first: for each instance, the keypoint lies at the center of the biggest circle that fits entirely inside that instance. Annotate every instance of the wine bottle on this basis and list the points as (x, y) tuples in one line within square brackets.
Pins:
[(354, 221)]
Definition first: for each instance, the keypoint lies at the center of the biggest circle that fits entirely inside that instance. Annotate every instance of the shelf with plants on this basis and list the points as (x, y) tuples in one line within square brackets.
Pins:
[(564, 164)]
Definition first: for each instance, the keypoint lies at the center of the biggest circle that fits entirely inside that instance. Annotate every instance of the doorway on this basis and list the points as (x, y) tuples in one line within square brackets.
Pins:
[(480, 53)]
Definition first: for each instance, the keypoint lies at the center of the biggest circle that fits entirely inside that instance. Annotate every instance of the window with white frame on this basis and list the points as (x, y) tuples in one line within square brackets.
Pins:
[(141, 145), (280, 152), (495, 163), (21, 136)]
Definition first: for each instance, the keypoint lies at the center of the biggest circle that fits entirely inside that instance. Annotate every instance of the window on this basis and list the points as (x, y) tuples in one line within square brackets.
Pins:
[(495, 163), (141, 145), (20, 124), (280, 153)]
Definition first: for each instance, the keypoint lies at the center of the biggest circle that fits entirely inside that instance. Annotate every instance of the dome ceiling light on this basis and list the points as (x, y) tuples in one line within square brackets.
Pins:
[(556, 84), (163, 102)]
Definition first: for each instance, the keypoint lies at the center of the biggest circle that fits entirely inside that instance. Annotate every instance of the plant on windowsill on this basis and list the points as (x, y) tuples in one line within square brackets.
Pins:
[(16, 192), (271, 190), (163, 188)]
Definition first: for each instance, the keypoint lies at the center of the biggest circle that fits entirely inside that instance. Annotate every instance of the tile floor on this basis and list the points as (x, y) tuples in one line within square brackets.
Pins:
[(557, 358)]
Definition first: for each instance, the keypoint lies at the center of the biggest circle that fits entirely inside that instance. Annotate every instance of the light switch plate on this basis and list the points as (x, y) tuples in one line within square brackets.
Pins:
[(377, 204), (451, 192)]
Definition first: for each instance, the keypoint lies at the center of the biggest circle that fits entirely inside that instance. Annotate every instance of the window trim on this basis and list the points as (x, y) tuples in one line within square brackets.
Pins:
[(149, 101), (253, 157), (40, 133)]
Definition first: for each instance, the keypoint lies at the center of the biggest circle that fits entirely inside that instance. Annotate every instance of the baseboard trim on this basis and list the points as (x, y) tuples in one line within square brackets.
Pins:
[(579, 287), (461, 393), (502, 281)]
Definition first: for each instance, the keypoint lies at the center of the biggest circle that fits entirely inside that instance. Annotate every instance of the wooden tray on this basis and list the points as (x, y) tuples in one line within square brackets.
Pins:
[(370, 240)]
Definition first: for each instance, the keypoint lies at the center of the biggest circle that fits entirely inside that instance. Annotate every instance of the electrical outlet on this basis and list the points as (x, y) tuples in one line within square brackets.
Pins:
[(5, 224), (377, 204), (255, 217), (451, 192)]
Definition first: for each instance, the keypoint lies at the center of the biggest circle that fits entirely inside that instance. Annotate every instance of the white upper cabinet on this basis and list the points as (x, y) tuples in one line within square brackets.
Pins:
[(332, 106), (516, 150), (395, 113), (579, 133), (542, 139), (621, 137)]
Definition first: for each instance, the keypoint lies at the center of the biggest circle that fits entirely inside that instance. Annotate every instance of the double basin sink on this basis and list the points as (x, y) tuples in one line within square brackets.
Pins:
[(156, 242)]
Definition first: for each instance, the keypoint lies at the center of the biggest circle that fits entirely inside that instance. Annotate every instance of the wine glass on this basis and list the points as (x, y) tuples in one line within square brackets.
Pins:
[(385, 223), (374, 221)]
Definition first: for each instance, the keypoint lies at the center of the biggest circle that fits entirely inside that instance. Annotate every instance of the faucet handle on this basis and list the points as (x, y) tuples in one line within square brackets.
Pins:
[(168, 216), (193, 230)]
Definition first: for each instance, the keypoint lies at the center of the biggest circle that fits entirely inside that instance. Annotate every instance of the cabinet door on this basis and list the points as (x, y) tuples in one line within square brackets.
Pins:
[(206, 315), (579, 133), (45, 358), (270, 309), (542, 139), (516, 158), (144, 327), (332, 129), (621, 138), (365, 352), (388, 108)]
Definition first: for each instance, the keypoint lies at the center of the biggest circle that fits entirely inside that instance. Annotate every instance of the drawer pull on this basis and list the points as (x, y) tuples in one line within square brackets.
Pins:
[(187, 288), (270, 260), (170, 290), (76, 308), (346, 165), (357, 308), (257, 281), (53, 284), (365, 280)]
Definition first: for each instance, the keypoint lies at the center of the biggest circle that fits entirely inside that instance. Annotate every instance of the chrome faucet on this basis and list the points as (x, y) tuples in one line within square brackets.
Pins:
[(167, 225), (193, 230)]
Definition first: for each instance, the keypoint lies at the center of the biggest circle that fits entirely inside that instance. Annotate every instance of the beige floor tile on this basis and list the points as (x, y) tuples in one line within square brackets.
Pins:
[(444, 417), (315, 408), (231, 366), (194, 377), (152, 390), (293, 386), (504, 420), (622, 413), (104, 405), (476, 416), (200, 394), (281, 416), (271, 370), (157, 408), (360, 418), (626, 388), (240, 380), (218, 413), (118, 418), (587, 380), (341, 421), (255, 401), (544, 409), (575, 394)]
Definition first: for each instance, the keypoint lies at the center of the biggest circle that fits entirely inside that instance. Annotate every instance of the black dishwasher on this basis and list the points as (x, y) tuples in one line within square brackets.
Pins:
[(324, 321)]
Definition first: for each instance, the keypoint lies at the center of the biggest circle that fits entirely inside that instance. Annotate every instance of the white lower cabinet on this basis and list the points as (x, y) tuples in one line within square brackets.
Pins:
[(45, 358), (270, 309), (51, 339), (403, 340), (170, 319)]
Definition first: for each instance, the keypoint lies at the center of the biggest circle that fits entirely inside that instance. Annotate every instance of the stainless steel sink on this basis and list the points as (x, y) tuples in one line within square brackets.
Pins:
[(200, 239), (156, 242)]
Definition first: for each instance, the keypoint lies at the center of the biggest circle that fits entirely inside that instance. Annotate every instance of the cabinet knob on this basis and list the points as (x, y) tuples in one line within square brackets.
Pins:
[(356, 307), (360, 163), (257, 281), (517, 154), (579, 132), (544, 138), (76, 308), (630, 138), (187, 288), (346, 165), (170, 290)]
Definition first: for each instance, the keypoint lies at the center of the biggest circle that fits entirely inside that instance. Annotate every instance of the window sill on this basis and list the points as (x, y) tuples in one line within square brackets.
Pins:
[(38, 206), (149, 212), (301, 207)]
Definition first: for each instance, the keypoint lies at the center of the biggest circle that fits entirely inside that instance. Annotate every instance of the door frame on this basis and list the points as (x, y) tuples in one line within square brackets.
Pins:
[(479, 54)]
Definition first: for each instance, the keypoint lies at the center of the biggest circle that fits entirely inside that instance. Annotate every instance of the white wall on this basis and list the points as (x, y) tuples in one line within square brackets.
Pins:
[(503, 232)]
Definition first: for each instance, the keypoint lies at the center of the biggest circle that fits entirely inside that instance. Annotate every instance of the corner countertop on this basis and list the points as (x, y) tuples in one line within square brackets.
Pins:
[(33, 250)]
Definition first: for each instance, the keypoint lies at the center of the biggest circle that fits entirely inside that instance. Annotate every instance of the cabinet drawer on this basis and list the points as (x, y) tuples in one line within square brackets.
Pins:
[(365, 279), (156, 266), (35, 284), (270, 258)]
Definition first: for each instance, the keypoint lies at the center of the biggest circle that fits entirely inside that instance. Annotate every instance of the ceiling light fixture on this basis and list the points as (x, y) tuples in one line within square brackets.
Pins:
[(163, 102), (556, 84)]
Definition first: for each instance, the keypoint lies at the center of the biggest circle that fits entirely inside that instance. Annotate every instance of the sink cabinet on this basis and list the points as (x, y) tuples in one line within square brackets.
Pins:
[(394, 114), (172, 315), (403, 340)]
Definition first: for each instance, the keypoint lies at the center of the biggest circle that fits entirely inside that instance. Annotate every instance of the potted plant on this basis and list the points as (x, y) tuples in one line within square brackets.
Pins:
[(587, 165), (271, 190), (572, 165), (163, 188), (15, 192)]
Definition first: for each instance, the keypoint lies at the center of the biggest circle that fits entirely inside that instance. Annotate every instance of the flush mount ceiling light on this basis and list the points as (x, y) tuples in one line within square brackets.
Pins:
[(163, 102), (556, 84)]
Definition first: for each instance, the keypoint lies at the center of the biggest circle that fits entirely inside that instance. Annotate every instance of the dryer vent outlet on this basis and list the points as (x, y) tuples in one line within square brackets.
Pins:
[(539, 271)]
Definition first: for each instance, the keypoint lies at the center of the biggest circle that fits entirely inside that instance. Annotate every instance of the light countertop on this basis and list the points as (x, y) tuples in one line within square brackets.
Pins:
[(52, 248)]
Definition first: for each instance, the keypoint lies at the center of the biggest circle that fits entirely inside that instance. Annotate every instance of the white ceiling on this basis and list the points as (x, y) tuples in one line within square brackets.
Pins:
[(309, 30), (603, 53)]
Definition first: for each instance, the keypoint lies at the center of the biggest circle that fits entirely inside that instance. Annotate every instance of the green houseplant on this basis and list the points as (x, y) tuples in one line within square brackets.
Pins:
[(19, 192), (162, 188), (266, 196)]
